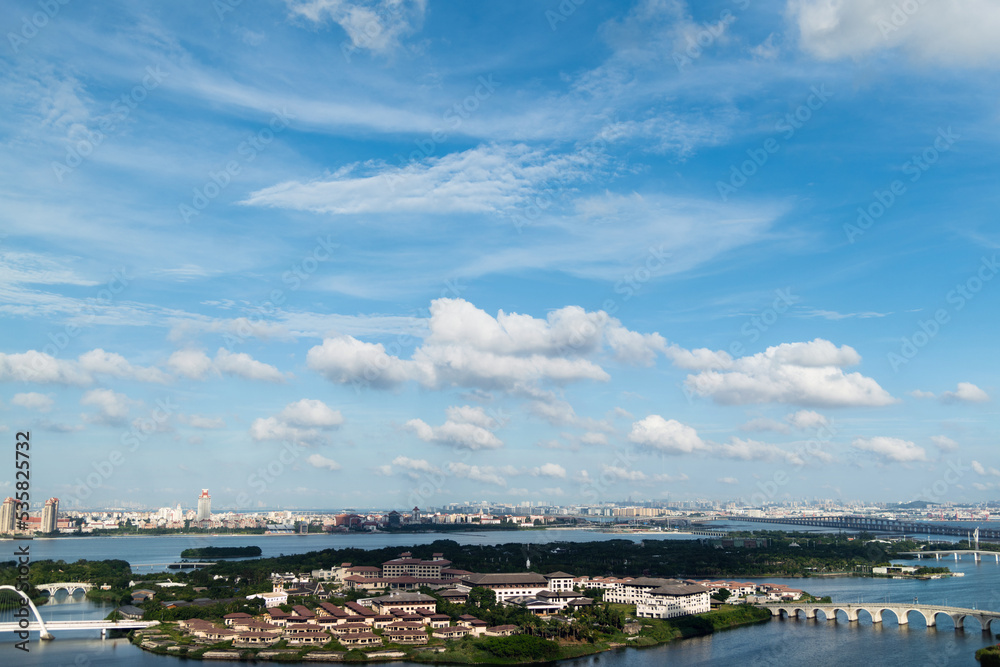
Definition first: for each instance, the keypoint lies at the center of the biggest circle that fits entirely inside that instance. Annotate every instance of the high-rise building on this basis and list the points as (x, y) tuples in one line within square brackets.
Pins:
[(50, 515), (8, 516), (204, 506)]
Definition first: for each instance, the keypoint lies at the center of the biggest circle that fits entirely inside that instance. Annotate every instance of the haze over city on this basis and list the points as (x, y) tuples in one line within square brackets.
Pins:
[(330, 254)]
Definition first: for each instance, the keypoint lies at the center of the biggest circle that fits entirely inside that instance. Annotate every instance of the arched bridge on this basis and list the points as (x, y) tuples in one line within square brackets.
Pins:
[(872, 524), (929, 612), (69, 587)]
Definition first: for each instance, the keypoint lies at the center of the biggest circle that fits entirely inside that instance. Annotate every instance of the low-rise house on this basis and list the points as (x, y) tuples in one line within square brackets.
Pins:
[(452, 632), (346, 629), (362, 639), (502, 631), (407, 602), (130, 612), (313, 637), (256, 639), (238, 616), (404, 636)]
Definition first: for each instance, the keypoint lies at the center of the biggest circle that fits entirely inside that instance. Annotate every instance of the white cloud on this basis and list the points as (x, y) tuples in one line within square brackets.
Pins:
[(593, 438), (113, 408), (965, 393), (374, 25), (753, 450), (944, 443), (109, 363), (202, 422), (33, 401), (347, 360), (980, 469), (195, 365), (462, 435), (727, 480), (33, 366), (949, 33), (798, 373), (244, 366), (485, 474), (664, 477), (309, 413), (467, 347), (320, 461), (891, 449), (620, 474), (415, 466), (918, 393), (304, 421), (549, 470), (485, 179), (665, 435), (807, 420)]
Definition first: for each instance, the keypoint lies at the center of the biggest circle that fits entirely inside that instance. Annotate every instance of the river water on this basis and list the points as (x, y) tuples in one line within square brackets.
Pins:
[(776, 642)]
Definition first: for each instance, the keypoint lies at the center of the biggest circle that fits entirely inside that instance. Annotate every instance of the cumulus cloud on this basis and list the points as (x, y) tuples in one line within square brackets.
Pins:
[(797, 373), (965, 393), (414, 467), (485, 474), (807, 420), (33, 401), (112, 407), (115, 365), (891, 449), (944, 443), (306, 421), (549, 470), (467, 427), (309, 413), (665, 435), (42, 368), (320, 461), (196, 365), (467, 347), (980, 469), (620, 474), (753, 450), (950, 33)]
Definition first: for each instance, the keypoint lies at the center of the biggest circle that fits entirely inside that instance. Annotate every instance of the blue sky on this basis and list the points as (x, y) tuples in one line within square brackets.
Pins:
[(378, 253)]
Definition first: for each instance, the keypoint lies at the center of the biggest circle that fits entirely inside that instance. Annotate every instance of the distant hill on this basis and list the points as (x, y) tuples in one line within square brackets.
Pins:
[(915, 505)]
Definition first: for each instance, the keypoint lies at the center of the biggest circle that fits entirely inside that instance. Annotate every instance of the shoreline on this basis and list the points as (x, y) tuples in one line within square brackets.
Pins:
[(295, 655)]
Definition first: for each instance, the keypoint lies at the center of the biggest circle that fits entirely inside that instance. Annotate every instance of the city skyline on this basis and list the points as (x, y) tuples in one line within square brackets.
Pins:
[(374, 253)]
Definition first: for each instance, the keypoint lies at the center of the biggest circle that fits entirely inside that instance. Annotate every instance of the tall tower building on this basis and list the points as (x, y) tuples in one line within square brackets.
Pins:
[(204, 506), (7, 517), (50, 515)]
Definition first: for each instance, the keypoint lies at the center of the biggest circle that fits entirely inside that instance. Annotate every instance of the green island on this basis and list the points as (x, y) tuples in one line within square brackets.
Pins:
[(217, 594), (212, 553)]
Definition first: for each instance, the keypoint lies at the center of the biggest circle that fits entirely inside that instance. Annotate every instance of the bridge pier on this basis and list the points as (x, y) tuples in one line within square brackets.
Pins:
[(937, 556), (810, 613), (959, 621)]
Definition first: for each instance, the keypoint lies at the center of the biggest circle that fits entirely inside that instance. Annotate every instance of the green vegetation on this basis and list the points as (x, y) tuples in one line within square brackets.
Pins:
[(789, 554), (211, 553), (523, 648), (989, 656)]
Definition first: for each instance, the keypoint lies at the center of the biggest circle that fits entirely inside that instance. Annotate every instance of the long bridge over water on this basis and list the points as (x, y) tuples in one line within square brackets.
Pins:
[(929, 612), (872, 525)]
